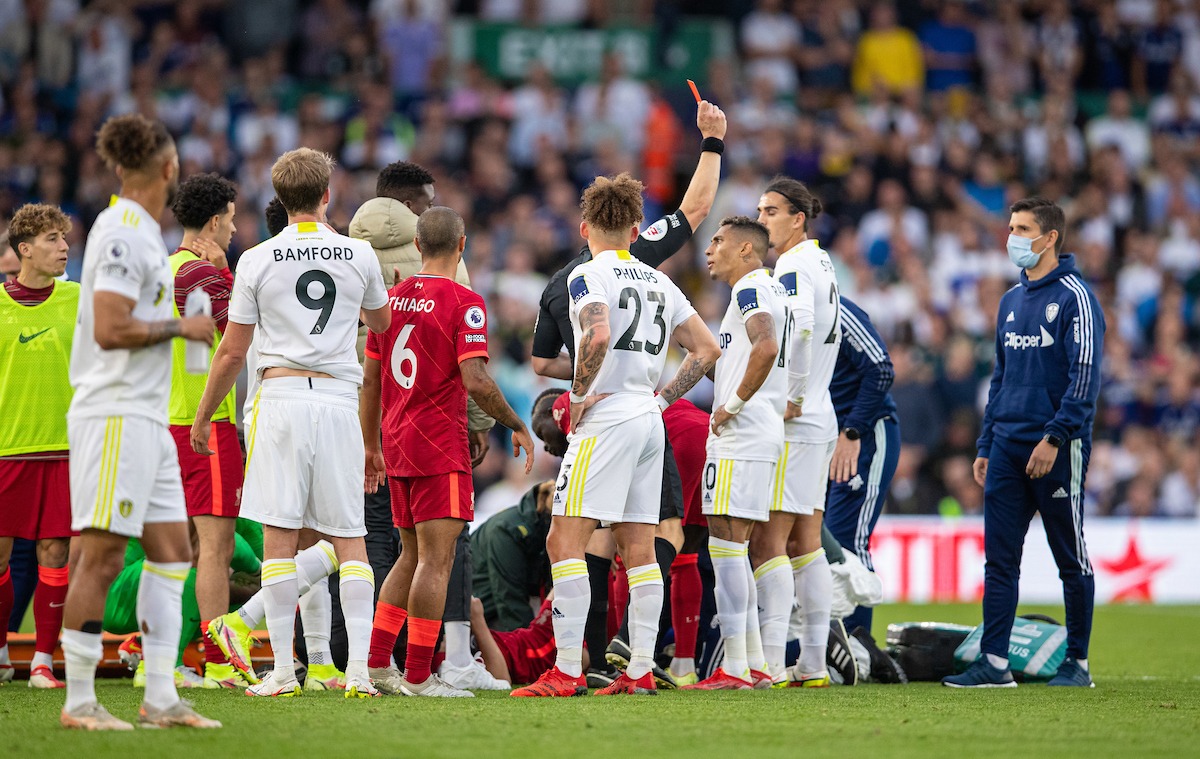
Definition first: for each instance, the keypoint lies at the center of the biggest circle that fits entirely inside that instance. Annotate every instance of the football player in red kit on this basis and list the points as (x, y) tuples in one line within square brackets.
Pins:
[(421, 370)]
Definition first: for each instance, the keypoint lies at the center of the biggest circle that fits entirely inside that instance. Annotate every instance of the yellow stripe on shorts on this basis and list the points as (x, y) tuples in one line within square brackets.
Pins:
[(724, 482), (253, 428), (780, 469), (109, 456), (574, 506)]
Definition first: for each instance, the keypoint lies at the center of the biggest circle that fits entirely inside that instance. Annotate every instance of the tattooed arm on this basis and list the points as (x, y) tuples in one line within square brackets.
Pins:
[(487, 396), (593, 347), (702, 356), (116, 327), (764, 351)]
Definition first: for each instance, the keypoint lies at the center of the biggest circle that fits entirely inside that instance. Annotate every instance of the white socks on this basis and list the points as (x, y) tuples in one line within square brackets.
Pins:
[(281, 596), (312, 564), (458, 644), (160, 614), (357, 587), (999, 662), (776, 592), (82, 652), (732, 570), (41, 659), (572, 597), (316, 616), (814, 591), (645, 606), (755, 658), (681, 666)]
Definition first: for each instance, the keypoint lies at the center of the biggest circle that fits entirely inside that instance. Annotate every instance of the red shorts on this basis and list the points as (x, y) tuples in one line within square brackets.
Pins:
[(439, 496), (212, 485), (35, 499)]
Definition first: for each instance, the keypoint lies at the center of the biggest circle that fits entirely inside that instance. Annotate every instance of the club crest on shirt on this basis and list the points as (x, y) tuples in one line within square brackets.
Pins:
[(126, 507), (747, 300), (1051, 312), (474, 317)]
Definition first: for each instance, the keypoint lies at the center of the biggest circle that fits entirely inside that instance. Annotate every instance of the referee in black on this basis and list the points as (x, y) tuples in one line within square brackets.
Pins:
[(552, 333)]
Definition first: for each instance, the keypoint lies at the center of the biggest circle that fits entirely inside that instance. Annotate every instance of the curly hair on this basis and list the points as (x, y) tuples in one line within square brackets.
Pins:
[(300, 178), (32, 220), (402, 180), (131, 141), (613, 205), (202, 197), (752, 230), (800, 199), (276, 216)]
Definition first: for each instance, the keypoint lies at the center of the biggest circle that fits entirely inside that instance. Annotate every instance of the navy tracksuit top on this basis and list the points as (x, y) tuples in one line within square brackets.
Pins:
[(1049, 343)]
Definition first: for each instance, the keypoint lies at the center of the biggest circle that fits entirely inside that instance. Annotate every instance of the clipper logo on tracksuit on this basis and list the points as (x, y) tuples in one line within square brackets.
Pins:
[(1013, 340)]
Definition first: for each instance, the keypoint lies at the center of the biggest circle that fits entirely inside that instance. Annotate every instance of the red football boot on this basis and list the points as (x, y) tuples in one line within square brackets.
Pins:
[(761, 680), (720, 680), (644, 686), (554, 683)]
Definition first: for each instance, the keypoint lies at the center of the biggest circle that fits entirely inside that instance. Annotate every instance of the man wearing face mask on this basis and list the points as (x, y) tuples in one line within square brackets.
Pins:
[(1037, 439)]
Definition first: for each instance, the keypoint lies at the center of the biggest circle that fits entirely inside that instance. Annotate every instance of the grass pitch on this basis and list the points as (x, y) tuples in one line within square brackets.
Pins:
[(1146, 662)]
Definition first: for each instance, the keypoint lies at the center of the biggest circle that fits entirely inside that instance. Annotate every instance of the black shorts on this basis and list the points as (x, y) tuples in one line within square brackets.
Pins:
[(671, 503)]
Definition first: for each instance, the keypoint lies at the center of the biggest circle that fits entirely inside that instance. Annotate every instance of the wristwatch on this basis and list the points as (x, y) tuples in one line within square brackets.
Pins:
[(851, 434), (1053, 440)]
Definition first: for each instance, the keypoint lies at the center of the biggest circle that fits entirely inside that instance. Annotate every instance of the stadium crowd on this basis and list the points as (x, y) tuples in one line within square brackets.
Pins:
[(916, 123)]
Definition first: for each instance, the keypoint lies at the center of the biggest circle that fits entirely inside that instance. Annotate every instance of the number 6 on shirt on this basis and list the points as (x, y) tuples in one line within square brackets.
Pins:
[(402, 353)]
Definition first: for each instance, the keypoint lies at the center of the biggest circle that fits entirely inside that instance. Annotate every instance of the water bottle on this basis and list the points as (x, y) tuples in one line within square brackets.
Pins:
[(197, 354)]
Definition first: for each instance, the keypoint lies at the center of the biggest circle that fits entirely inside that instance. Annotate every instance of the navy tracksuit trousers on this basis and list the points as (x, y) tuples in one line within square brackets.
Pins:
[(1010, 499)]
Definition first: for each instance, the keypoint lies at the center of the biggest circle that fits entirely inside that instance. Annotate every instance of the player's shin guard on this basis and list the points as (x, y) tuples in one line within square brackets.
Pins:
[(316, 616), (357, 586), (776, 591), (572, 596), (48, 600), (645, 606), (686, 593), (160, 617), (281, 597), (733, 596), (814, 591), (82, 652)]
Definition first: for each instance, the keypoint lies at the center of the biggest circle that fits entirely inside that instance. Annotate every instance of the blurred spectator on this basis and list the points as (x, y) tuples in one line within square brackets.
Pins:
[(1118, 127), (411, 41), (770, 42), (35, 35), (949, 48), (888, 55), (894, 220), (1159, 47), (614, 108)]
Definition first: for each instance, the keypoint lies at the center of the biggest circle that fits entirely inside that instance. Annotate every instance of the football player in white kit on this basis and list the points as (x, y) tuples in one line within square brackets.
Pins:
[(623, 314), (745, 441), (124, 468), (305, 291), (787, 208)]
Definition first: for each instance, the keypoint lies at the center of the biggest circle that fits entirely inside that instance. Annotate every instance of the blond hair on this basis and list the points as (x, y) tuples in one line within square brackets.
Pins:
[(300, 178)]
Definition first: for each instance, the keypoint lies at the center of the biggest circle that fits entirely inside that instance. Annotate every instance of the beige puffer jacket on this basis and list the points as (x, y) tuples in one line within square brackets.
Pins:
[(391, 228)]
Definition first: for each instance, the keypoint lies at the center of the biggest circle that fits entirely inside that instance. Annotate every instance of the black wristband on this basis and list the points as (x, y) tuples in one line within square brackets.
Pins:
[(1053, 440), (712, 145), (851, 434)]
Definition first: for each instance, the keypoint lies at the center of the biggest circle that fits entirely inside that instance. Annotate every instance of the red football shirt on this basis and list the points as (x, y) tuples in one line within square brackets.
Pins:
[(530, 651), (436, 324), (687, 426)]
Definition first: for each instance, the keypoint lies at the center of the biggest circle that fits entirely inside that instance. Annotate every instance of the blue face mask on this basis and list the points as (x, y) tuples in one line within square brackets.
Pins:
[(1020, 251)]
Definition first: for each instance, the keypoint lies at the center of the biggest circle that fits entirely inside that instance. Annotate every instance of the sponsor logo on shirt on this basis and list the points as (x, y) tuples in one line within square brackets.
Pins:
[(747, 300), (26, 338), (1021, 342), (475, 318), (476, 338), (856, 483), (578, 288), (788, 281), (1011, 317), (656, 230)]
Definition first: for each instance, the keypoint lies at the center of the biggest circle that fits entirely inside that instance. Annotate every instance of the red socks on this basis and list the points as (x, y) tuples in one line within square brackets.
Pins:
[(212, 652), (389, 620), (422, 638), (686, 592), (48, 599), (6, 605)]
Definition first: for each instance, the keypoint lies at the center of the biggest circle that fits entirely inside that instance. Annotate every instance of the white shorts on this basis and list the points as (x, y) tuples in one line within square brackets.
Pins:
[(802, 477), (736, 488), (614, 475), (305, 460), (124, 474)]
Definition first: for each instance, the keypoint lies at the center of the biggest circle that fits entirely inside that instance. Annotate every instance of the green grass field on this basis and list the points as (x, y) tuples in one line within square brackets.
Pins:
[(1146, 702)]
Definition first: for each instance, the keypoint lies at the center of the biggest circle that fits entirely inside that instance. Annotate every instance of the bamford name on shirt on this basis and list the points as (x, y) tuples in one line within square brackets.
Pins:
[(312, 254)]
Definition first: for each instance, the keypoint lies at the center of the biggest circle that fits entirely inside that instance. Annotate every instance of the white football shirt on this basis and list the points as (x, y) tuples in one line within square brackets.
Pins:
[(303, 289), (644, 308), (756, 432), (125, 254), (807, 275)]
